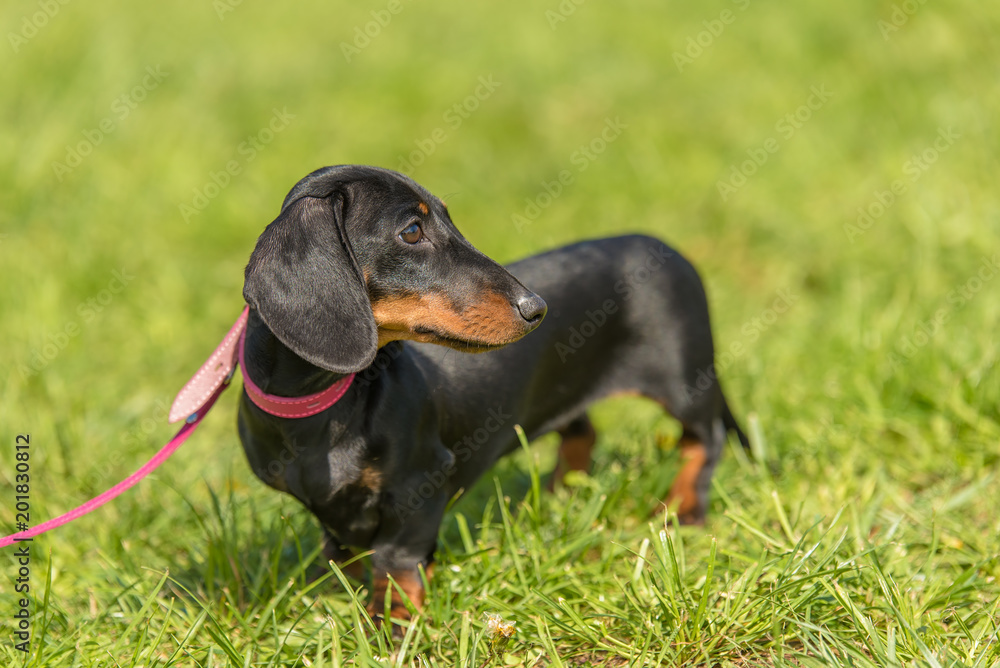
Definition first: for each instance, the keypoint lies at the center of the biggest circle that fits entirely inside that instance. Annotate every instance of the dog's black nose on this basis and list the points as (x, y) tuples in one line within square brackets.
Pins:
[(532, 308)]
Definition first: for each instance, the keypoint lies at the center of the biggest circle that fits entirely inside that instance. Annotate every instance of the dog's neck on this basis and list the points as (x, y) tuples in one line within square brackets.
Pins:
[(277, 369)]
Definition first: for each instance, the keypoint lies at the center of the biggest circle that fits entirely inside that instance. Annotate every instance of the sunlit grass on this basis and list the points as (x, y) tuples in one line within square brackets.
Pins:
[(858, 347)]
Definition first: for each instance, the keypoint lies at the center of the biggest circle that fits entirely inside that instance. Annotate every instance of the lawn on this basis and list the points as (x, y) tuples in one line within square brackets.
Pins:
[(831, 168)]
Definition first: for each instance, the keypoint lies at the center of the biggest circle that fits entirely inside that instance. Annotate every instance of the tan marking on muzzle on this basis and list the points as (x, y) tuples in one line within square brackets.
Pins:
[(490, 321)]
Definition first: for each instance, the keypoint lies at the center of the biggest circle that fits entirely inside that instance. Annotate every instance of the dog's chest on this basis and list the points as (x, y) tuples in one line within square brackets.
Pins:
[(350, 509)]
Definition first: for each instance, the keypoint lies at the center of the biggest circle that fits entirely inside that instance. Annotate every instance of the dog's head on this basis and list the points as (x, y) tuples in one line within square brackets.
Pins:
[(360, 256)]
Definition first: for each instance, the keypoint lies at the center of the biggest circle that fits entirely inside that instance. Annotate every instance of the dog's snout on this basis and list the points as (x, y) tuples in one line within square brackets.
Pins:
[(532, 308)]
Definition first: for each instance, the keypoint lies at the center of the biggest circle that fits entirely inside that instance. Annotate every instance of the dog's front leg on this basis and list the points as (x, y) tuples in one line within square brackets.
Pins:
[(405, 545), (388, 584)]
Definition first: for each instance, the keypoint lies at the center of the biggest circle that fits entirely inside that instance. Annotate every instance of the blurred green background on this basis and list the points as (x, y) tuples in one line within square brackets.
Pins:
[(116, 116)]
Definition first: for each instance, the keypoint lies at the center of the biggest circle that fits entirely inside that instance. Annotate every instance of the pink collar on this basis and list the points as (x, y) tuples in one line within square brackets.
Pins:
[(219, 369), (292, 407)]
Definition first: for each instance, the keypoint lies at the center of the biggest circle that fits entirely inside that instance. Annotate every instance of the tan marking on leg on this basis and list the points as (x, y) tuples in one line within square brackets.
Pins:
[(574, 455), (355, 569), (576, 451), (684, 491), (409, 581)]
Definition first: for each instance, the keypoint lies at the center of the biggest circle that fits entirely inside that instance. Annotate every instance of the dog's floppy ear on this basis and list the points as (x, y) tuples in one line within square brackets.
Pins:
[(304, 282)]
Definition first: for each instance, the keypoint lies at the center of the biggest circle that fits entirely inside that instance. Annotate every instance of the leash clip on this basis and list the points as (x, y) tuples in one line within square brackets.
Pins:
[(215, 373)]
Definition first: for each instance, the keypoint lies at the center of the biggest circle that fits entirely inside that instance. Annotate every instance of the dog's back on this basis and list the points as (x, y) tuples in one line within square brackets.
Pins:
[(627, 315)]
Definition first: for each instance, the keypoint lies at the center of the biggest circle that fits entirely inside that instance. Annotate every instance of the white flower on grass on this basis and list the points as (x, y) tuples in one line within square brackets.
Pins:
[(498, 627), (500, 632)]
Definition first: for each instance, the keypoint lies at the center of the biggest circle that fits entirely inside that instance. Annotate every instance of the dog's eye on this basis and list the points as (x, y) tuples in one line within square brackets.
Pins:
[(412, 234)]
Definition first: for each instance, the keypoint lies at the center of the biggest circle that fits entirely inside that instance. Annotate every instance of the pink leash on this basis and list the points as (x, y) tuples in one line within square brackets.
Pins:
[(192, 404), (99, 501)]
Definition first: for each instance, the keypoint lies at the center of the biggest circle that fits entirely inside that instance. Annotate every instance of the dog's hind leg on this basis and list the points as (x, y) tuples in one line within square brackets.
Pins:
[(701, 446), (575, 449)]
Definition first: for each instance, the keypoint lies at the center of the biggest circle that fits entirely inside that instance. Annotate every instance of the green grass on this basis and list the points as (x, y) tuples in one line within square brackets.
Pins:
[(866, 532)]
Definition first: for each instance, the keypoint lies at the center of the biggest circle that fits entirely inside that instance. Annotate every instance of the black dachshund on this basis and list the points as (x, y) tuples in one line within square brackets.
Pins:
[(362, 269)]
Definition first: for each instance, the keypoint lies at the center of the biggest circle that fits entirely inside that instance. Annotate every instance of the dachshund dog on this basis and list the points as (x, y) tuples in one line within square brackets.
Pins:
[(361, 272)]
